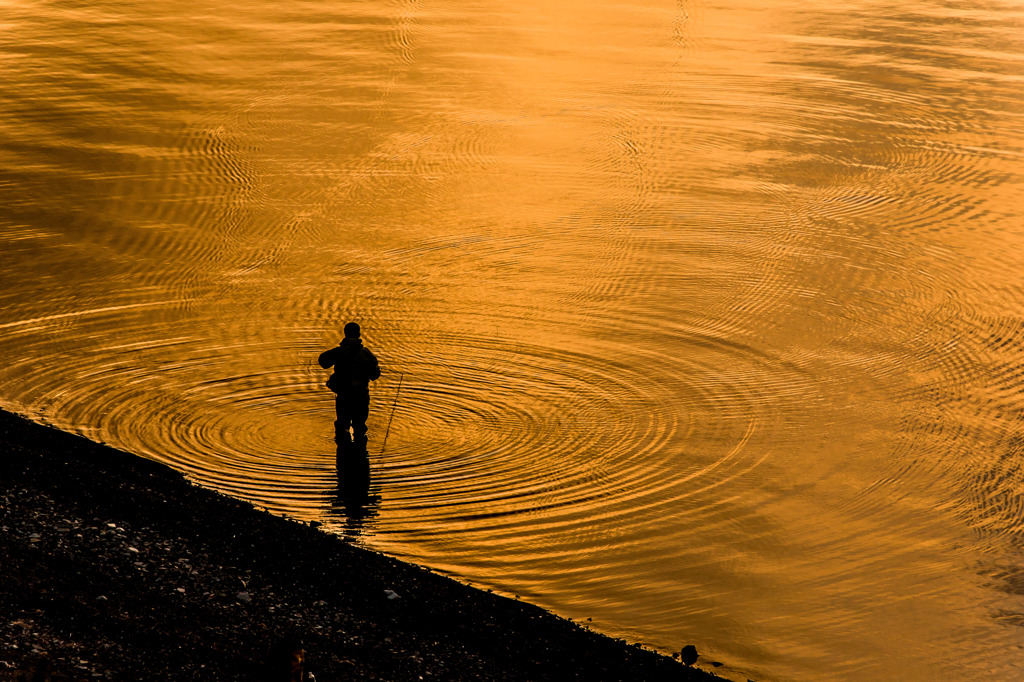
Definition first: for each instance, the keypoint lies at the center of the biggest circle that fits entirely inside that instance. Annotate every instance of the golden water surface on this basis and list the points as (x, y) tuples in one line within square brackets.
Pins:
[(708, 314)]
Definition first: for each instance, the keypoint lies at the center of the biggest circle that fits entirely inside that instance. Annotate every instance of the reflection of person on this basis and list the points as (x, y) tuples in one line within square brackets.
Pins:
[(352, 498), (354, 368)]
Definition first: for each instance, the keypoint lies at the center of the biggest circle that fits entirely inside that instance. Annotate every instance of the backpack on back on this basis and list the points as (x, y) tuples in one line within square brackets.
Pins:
[(356, 369)]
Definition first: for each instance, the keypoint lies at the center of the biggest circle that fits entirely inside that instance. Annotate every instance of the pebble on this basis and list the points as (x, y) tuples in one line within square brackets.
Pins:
[(689, 654)]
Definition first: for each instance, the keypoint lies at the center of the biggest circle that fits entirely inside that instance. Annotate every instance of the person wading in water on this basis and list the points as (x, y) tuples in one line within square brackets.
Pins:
[(354, 368)]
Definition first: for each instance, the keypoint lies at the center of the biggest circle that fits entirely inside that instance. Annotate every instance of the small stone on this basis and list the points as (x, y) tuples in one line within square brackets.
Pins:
[(689, 654), (391, 594), (244, 597)]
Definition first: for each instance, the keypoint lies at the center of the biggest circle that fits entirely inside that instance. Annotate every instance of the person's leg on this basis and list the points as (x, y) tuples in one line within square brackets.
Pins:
[(344, 418), (360, 407)]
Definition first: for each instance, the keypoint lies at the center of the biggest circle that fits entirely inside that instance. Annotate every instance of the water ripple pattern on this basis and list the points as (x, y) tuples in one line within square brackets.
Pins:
[(706, 315)]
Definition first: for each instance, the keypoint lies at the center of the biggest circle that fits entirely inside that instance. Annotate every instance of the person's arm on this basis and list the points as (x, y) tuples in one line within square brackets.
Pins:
[(372, 366), (327, 359)]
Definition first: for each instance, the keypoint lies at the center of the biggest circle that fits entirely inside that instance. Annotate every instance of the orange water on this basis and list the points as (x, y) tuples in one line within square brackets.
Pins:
[(708, 315)]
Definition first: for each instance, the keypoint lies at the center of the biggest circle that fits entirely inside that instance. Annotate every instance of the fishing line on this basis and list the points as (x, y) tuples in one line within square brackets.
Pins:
[(393, 406)]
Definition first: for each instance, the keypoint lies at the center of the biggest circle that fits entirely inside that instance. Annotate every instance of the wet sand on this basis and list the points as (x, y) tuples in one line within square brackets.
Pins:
[(116, 567)]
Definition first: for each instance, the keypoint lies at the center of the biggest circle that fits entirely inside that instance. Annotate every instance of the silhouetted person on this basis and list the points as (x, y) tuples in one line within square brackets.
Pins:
[(354, 368)]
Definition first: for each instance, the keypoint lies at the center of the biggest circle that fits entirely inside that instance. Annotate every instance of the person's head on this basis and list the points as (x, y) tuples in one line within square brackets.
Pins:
[(352, 330)]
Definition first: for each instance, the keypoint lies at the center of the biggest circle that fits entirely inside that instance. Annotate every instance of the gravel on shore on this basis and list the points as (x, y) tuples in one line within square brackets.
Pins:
[(116, 567)]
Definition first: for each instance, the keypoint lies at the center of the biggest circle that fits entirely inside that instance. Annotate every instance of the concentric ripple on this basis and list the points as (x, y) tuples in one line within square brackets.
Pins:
[(699, 320)]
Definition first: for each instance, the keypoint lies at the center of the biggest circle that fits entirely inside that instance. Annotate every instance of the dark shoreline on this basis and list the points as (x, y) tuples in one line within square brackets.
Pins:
[(116, 567)]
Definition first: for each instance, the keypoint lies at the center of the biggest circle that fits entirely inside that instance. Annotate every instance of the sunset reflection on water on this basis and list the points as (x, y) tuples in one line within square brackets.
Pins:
[(708, 314)]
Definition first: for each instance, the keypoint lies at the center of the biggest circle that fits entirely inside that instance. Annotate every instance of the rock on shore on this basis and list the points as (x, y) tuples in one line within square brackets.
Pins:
[(115, 567)]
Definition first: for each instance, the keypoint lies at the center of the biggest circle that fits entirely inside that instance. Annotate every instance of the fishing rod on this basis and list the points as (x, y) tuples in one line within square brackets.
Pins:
[(393, 406)]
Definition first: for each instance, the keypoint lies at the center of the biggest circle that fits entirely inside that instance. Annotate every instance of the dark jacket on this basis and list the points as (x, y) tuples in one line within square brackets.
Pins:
[(354, 366)]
